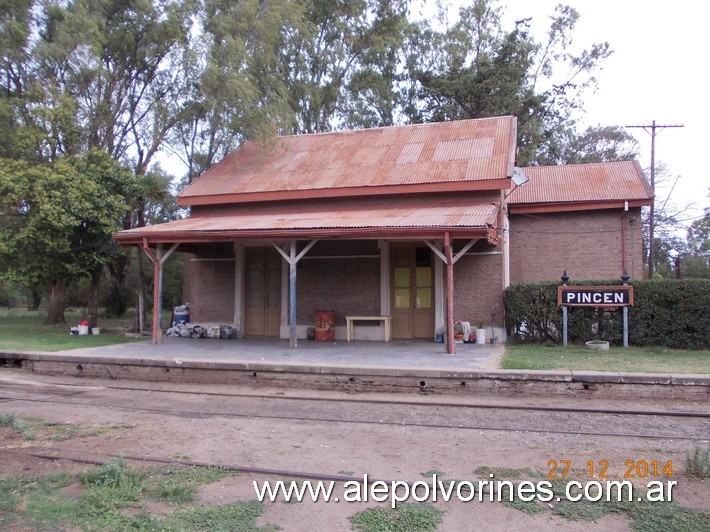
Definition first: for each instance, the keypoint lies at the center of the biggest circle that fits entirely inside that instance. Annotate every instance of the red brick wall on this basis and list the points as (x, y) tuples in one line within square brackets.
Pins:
[(209, 288), (478, 288), (588, 244), (345, 285)]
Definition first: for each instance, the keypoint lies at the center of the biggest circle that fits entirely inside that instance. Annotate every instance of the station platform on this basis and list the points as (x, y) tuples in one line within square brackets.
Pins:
[(396, 366)]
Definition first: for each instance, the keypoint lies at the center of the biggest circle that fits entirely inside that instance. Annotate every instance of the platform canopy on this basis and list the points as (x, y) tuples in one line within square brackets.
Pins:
[(414, 220)]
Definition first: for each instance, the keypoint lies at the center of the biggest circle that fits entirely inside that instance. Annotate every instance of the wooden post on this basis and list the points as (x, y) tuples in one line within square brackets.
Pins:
[(451, 344), (292, 258), (625, 278), (141, 305), (158, 259), (292, 340), (157, 295), (565, 280)]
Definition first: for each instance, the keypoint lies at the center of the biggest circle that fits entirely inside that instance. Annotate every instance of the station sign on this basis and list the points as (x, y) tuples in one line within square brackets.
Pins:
[(595, 296)]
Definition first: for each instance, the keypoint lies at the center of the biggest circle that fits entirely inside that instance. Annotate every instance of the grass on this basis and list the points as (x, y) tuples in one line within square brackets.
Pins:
[(32, 428), (114, 497), (23, 330), (697, 463), (405, 518), (177, 484), (632, 359), (644, 516), (432, 472), (506, 473), (661, 517)]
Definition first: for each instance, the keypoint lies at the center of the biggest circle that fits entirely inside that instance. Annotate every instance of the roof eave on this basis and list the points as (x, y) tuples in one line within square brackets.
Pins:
[(390, 233), (528, 208), (346, 192)]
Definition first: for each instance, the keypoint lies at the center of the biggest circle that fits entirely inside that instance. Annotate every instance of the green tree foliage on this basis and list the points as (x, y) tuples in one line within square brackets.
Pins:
[(80, 75), (695, 262), (236, 91), (340, 66), (197, 78), (56, 220), (477, 69)]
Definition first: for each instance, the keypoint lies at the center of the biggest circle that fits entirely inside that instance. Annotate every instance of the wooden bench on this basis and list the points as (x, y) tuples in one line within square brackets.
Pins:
[(386, 319)]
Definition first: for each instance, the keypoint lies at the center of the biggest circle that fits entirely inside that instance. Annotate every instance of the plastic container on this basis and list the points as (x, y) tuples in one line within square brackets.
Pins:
[(83, 329), (181, 316), (96, 331)]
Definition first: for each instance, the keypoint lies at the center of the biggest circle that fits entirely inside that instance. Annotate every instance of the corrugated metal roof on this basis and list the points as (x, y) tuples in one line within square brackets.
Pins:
[(594, 182), (412, 215), (463, 150)]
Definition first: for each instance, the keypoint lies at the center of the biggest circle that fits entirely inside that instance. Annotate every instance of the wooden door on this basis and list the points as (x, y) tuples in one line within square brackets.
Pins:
[(412, 292), (263, 292)]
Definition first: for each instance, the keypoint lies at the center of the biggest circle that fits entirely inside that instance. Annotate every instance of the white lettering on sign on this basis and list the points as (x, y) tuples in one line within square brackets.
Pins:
[(596, 297)]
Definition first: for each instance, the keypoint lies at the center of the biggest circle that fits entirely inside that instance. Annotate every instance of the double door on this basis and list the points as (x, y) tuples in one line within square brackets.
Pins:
[(412, 292), (263, 292)]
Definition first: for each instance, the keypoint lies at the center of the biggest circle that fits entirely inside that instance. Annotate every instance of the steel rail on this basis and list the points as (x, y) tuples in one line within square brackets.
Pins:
[(203, 414), (702, 415), (489, 487)]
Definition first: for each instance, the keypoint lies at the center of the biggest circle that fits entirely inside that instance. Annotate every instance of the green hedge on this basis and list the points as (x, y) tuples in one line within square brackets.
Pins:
[(666, 313)]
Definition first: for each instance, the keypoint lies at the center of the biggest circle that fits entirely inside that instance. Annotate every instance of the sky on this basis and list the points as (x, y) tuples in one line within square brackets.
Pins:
[(658, 71)]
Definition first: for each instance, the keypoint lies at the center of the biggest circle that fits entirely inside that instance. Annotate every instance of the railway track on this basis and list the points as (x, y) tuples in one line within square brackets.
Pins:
[(684, 426), (349, 400)]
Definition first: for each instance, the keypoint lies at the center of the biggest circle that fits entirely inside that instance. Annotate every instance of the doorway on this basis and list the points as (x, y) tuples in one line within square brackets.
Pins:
[(412, 292), (263, 292)]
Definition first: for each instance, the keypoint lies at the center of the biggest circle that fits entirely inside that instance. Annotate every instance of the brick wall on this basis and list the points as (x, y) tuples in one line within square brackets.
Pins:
[(345, 285), (588, 244), (478, 288), (209, 288)]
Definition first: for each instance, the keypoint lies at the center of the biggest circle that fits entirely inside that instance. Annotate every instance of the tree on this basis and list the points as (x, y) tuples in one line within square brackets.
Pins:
[(594, 145), (339, 65), (236, 90), (696, 261), (475, 69), (57, 220)]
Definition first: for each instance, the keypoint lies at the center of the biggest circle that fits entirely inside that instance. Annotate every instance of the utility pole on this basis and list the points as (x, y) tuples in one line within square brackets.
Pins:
[(651, 129)]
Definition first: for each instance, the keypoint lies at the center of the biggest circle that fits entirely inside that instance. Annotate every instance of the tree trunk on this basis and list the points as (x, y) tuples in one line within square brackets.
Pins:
[(57, 294), (118, 293), (36, 298), (93, 305)]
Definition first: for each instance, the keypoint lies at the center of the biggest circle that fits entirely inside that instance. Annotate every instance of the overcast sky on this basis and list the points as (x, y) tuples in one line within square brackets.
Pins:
[(658, 71)]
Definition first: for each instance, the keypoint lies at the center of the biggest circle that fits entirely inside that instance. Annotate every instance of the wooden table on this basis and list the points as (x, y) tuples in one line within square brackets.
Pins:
[(386, 319)]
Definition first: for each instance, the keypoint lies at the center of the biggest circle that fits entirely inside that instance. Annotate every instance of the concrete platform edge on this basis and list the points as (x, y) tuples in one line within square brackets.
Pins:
[(561, 376)]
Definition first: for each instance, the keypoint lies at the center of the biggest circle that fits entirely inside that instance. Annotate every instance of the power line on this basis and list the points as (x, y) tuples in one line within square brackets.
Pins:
[(651, 130)]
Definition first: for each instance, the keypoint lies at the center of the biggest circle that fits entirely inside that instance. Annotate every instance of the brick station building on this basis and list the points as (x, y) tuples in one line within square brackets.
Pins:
[(421, 224)]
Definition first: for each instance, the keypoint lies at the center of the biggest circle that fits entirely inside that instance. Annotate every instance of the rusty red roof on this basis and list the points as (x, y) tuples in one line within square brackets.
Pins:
[(336, 220), (594, 183), (460, 155)]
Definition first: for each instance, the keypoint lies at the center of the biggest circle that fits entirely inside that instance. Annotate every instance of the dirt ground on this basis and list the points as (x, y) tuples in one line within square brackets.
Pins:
[(207, 428)]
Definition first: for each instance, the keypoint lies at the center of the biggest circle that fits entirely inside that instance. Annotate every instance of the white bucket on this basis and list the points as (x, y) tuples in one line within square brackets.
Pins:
[(96, 331), (83, 329)]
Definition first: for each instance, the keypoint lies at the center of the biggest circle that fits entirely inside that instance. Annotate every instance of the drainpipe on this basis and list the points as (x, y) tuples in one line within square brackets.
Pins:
[(623, 236)]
